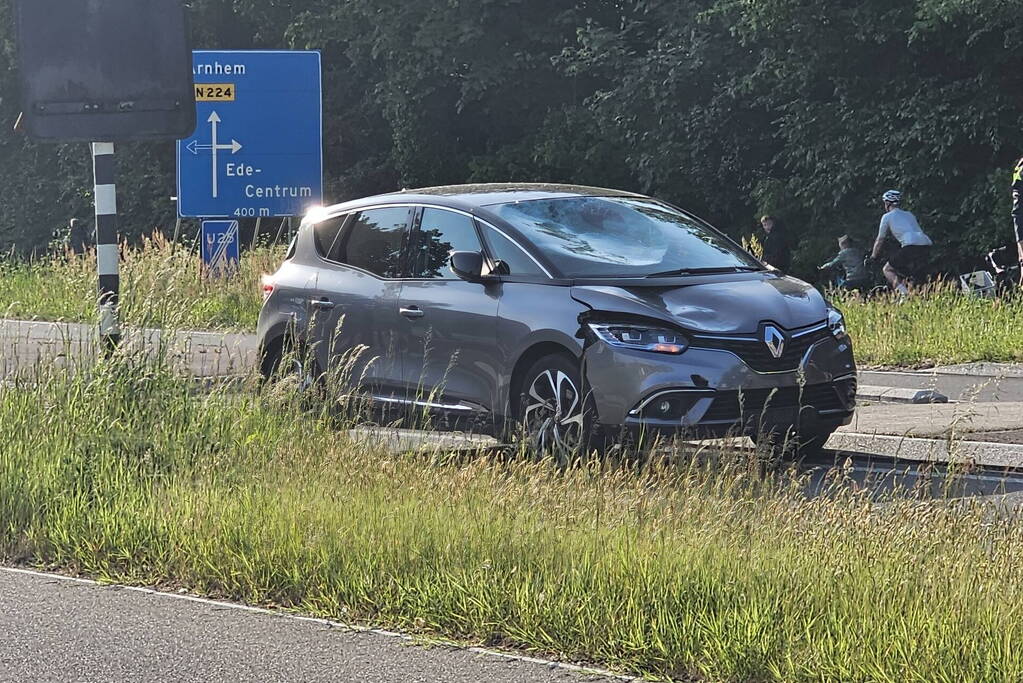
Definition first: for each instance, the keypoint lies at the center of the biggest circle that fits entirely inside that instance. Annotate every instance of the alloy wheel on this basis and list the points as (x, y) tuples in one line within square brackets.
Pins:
[(553, 415)]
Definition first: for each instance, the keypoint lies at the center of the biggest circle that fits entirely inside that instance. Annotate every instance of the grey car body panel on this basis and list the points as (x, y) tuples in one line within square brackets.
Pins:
[(621, 378), (448, 353), (364, 316), (288, 305), (475, 334), (529, 315), (709, 304)]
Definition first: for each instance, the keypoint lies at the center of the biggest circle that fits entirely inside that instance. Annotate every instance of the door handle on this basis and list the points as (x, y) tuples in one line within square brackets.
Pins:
[(322, 304), (412, 312)]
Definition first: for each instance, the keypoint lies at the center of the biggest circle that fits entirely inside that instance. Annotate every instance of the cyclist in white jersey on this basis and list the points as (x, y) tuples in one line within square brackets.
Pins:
[(914, 250)]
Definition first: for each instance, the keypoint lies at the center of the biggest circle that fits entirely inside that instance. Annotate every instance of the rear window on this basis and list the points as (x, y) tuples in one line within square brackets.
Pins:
[(374, 241), (327, 237)]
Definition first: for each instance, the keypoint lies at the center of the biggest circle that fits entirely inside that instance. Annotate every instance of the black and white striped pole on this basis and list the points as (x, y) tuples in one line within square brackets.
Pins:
[(107, 253)]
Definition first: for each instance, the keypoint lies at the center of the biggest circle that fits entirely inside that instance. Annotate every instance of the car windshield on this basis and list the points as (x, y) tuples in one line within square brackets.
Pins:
[(622, 237)]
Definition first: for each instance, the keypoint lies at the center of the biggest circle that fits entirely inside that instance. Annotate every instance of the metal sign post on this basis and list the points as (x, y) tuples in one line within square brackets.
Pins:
[(113, 70), (107, 253)]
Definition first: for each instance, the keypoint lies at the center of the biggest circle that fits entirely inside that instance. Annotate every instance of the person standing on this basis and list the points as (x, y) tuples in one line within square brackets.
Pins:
[(777, 252), (1017, 212), (78, 238), (914, 244)]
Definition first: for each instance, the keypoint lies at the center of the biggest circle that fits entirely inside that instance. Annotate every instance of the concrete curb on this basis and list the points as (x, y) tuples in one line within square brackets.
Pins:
[(929, 450), (899, 395)]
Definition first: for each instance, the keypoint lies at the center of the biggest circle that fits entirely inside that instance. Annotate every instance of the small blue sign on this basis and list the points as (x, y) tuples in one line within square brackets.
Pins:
[(257, 150), (220, 246)]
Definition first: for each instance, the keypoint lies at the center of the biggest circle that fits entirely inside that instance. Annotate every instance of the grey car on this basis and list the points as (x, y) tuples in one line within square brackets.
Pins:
[(575, 313)]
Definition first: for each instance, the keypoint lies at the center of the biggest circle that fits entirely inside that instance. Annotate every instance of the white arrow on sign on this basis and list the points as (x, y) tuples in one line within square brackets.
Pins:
[(194, 147)]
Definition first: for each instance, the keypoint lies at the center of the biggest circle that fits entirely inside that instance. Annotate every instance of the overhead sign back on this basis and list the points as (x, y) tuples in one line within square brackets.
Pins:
[(257, 148), (107, 71)]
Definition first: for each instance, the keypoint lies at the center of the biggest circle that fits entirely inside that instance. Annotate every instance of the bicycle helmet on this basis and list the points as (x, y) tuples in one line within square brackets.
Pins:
[(892, 196)]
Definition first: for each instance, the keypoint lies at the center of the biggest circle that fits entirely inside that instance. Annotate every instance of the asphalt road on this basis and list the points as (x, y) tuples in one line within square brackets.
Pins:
[(58, 629)]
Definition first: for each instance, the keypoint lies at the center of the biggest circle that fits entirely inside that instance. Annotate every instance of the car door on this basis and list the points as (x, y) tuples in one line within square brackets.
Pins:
[(448, 341), (355, 301)]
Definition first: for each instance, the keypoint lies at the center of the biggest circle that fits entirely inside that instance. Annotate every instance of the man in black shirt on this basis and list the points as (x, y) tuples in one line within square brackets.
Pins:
[(777, 253)]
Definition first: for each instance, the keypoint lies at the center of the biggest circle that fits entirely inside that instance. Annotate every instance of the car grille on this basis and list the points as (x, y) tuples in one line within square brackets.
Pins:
[(731, 406), (755, 354)]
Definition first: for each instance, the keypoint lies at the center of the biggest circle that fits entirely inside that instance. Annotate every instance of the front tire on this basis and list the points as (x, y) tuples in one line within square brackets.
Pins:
[(792, 445), (556, 415)]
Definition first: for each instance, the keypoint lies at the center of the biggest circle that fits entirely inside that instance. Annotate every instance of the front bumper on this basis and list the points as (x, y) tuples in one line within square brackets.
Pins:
[(714, 392)]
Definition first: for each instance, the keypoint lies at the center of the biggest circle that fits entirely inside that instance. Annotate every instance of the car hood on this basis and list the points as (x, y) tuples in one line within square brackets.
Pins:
[(735, 306)]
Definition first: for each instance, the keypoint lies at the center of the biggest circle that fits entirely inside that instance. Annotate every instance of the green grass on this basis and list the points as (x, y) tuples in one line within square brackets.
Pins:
[(161, 286), (128, 474), (941, 327), (164, 287)]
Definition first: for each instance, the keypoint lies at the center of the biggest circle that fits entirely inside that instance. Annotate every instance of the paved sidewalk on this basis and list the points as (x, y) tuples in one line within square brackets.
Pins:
[(937, 420), (969, 382), (27, 345)]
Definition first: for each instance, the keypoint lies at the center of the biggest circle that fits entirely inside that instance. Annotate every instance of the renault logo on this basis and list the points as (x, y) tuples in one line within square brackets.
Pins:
[(775, 340)]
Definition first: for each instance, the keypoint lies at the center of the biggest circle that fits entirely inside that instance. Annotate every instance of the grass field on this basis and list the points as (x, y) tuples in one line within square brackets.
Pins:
[(938, 328), (161, 286), (712, 572)]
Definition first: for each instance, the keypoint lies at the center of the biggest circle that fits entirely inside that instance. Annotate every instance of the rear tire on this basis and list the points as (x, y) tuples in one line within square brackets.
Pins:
[(286, 361)]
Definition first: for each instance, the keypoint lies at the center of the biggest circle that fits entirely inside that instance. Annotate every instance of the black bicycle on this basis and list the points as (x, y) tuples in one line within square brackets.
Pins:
[(1006, 268)]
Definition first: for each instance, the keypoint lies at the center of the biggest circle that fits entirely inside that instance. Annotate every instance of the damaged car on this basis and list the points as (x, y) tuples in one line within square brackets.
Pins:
[(572, 316)]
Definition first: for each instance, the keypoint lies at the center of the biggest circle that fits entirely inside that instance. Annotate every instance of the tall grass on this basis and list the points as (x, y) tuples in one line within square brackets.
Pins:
[(940, 326), (161, 286), (711, 571)]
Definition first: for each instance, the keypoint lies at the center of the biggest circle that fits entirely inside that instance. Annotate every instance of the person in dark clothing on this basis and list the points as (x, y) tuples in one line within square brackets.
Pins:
[(1017, 211), (78, 237), (777, 253)]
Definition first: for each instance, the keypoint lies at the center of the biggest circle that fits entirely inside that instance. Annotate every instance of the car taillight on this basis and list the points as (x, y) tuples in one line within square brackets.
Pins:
[(268, 288)]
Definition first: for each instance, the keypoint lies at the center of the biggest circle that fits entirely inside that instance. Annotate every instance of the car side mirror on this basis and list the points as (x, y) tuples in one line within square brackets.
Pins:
[(467, 265)]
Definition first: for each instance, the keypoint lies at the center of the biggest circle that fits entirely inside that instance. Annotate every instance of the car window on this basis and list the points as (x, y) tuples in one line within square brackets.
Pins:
[(517, 261), (440, 233), (327, 237), (374, 241), (622, 237)]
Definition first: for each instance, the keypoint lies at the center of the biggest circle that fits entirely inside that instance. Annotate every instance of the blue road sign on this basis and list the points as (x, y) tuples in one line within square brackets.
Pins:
[(257, 150), (220, 246)]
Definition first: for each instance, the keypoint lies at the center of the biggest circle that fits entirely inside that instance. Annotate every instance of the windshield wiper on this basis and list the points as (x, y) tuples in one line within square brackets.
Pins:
[(705, 271)]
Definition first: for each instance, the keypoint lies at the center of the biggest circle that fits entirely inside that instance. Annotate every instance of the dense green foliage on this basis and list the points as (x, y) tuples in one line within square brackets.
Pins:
[(806, 108)]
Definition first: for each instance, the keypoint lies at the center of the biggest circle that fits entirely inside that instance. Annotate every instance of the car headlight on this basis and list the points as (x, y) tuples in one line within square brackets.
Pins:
[(641, 337), (836, 323)]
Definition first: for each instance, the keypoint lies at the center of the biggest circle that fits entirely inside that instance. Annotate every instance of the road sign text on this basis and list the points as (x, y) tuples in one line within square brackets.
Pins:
[(257, 148), (214, 92)]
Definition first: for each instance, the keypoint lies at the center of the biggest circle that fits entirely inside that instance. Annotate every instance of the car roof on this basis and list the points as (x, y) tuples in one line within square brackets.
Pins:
[(469, 197)]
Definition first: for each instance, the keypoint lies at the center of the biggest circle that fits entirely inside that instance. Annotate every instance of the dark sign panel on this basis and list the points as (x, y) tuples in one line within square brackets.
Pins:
[(105, 70)]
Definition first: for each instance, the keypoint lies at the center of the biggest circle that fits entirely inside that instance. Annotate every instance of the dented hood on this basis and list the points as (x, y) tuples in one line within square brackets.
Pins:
[(715, 305)]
